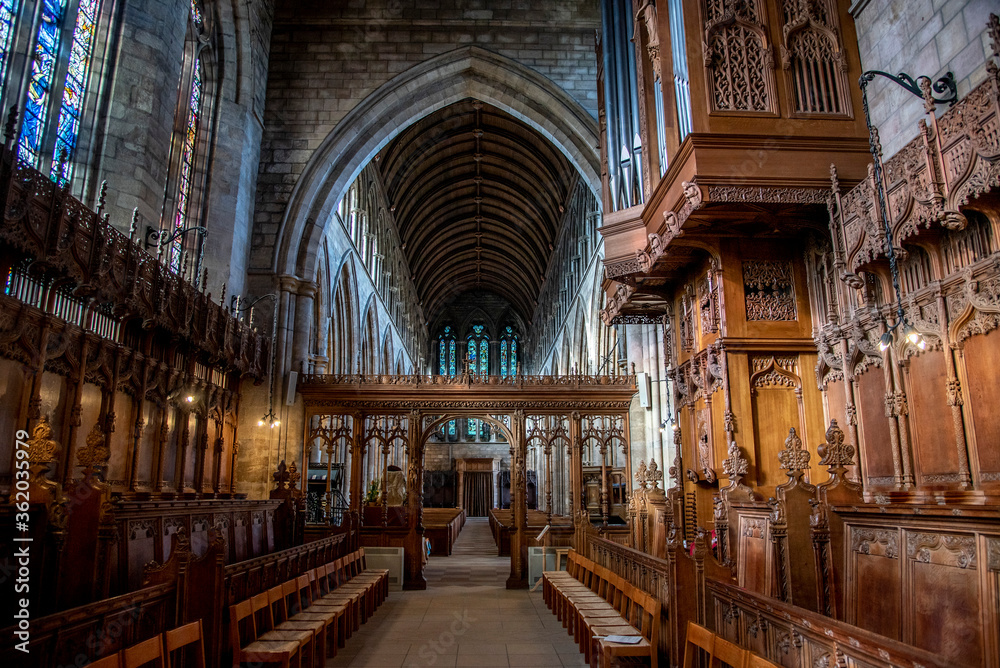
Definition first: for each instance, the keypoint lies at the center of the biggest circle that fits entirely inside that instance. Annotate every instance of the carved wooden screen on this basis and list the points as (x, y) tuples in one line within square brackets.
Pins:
[(738, 56), (811, 51)]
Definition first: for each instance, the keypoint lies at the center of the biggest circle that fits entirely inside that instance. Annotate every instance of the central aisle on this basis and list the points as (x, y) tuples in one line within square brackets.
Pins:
[(464, 618)]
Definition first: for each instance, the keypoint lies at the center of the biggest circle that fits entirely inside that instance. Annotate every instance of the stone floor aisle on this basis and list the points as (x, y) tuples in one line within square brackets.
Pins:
[(464, 618)]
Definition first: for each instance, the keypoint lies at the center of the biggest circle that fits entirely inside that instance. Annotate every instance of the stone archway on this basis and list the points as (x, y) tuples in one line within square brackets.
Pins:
[(436, 83)]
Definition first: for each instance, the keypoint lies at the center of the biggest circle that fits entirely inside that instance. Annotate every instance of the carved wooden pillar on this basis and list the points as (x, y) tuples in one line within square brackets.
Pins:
[(160, 452), (897, 466), (414, 483), (201, 438), (184, 417), (220, 448), (519, 504), (954, 394), (576, 494), (139, 424), (357, 462)]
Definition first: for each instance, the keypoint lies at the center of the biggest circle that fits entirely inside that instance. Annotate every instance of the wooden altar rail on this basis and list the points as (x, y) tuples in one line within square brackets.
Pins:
[(793, 636), (638, 569)]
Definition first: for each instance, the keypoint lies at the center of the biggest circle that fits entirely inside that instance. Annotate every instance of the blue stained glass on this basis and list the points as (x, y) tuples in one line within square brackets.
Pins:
[(8, 9), (451, 357), (472, 428), (513, 356), (484, 356), (503, 358), (68, 125), (196, 13), (442, 352), (187, 162), (478, 329), (39, 87), (472, 355), (452, 429)]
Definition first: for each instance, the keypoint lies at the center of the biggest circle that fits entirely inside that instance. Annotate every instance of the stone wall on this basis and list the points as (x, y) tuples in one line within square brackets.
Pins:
[(326, 60), (919, 37)]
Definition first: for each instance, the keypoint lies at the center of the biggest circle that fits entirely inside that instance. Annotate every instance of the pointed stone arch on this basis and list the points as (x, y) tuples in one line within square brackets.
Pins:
[(344, 321), (436, 83)]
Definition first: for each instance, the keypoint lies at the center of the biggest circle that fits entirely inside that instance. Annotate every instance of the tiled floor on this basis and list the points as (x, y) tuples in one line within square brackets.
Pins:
[(464, 618)]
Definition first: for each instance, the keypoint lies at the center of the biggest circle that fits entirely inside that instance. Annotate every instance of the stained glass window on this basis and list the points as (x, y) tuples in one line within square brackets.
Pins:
[(8, 10), (68, 124), (451, 358), (452, 429), (196, 13), (479, 351), (472, 428), (508, 353), (187, 162), (471, 352), (442, 357), (40, 85)]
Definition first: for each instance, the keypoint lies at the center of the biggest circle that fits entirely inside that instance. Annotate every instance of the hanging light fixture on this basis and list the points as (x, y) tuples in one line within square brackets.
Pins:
[(924, 89), (269, 418)]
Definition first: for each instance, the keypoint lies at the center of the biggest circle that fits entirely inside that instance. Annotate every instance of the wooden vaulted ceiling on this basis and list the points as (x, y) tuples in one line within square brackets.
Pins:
[(478, 198)]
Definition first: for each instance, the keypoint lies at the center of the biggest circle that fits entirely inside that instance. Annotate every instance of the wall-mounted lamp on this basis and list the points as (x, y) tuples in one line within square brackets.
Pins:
[(269, 418), (922, 88)]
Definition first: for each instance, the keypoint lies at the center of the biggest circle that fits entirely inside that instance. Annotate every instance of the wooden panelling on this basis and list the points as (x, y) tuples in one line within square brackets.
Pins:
[(930, 417), (755, 556), (877, 450), (982, 391), (774, 410), (943, 576), (874, 566)]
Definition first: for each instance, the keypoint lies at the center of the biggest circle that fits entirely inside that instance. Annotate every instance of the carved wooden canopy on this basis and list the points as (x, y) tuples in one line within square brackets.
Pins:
[(467, 393)]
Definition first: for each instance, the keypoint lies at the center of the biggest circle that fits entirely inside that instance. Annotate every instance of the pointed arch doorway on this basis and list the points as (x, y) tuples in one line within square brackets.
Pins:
[(387, 421)]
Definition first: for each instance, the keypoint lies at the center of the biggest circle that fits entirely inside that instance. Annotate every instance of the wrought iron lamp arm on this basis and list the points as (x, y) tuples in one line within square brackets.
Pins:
[(921, 87)]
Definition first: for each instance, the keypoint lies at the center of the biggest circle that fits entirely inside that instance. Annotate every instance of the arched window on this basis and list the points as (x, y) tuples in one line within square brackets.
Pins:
[(41, 84), (192, 113), (446, 353), (478, 351), (68, 124), (8, 16), (508, 353)]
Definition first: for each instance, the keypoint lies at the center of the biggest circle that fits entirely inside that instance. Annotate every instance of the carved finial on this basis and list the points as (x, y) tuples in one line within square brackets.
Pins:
[(736, 465), (280, 476), (653, 474), (134, 227), (8, 128), (222, 300), (94, 456), (293, 476), (42, 450), (793, 458), (204, 280), (101, 196), (834, 178), (835, 453), (640, 475)]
